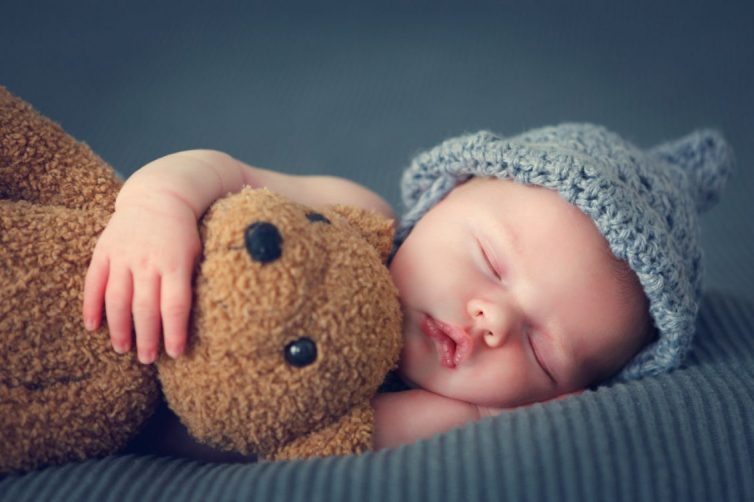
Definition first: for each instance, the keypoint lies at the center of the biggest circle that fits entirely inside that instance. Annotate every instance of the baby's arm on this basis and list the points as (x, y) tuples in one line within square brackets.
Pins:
[(405, 417), (142, 264)]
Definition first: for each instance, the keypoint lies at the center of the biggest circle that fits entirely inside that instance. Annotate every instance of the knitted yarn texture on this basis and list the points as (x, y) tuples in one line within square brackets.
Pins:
[(644, 202)]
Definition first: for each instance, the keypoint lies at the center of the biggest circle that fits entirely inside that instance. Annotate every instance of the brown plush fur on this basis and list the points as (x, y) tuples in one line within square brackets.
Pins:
[(66, 395)]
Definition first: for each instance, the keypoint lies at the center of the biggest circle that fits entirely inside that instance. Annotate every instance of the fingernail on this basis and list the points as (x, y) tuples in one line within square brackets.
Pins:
[(89, 324), (120, 348)]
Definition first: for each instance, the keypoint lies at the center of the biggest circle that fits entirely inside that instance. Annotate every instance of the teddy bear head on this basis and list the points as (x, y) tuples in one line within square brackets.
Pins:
[(295, 321)]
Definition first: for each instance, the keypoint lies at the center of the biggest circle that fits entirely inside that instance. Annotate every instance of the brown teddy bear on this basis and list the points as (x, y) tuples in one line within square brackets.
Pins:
[(295, 320)]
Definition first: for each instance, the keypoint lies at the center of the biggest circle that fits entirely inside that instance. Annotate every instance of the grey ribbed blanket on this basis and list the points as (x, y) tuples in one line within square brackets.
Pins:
[(688, 435)]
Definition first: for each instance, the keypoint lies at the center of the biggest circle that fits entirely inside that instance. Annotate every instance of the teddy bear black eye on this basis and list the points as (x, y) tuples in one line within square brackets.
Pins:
[(315, 217), (301, 352), (263, 242)]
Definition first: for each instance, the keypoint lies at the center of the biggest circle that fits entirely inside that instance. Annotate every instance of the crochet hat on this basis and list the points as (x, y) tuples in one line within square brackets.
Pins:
[(645, 203)]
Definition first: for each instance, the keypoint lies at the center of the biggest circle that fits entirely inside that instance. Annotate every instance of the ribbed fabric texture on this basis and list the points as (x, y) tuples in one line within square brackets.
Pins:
[(687, 435)]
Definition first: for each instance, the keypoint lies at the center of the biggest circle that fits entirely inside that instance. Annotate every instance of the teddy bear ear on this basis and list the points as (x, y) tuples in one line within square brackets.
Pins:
[(375, 228)]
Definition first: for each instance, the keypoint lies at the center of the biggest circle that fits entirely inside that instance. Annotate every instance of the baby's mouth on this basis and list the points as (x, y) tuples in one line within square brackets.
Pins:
[(453, 344)]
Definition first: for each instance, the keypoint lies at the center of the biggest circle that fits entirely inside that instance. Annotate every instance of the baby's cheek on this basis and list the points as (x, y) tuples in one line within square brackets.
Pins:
[(415, 361), (411, 274), (400, 275)]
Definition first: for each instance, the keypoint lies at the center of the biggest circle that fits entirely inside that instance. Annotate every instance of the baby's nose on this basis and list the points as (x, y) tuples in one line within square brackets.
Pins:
[(493, 322)]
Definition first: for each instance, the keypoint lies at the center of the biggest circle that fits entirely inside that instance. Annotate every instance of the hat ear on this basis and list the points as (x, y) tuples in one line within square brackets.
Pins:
[(706, 158)]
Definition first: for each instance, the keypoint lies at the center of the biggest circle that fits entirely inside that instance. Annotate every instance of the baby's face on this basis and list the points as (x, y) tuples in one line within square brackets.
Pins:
[(511, 296)]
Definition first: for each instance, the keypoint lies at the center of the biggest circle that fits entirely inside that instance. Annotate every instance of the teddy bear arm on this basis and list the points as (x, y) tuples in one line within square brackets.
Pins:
[(352, 433), (42, 164)]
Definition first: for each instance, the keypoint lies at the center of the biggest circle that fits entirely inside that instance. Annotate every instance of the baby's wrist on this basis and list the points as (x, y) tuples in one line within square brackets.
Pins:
[(154, 199), (192, 178)]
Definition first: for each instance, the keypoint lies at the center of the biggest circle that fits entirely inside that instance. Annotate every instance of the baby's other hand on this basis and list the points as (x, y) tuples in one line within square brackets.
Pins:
[(142, 267)]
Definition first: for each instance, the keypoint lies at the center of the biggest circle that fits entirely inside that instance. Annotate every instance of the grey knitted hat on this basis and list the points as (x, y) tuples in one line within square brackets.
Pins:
[(645, 203)]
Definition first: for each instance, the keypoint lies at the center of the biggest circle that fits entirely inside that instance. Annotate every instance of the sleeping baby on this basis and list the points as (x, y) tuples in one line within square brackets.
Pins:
[(528, 268)]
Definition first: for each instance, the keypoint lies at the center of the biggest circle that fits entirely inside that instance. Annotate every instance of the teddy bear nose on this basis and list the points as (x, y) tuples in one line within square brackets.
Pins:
[(263, 242)]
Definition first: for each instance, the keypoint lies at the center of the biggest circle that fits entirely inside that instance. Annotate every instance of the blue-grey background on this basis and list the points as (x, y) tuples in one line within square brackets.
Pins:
[(356, 89)]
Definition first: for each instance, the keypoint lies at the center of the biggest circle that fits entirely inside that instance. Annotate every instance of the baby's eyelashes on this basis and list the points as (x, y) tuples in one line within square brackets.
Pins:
[(493, 267)]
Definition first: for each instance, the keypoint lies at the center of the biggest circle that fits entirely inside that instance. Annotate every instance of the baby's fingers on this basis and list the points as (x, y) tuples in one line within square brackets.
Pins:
[(118, 308), (176, 306), (94, 292), (146, 314)]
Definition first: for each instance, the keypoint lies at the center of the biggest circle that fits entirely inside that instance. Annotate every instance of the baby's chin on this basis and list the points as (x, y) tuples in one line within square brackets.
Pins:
[(419, 371)]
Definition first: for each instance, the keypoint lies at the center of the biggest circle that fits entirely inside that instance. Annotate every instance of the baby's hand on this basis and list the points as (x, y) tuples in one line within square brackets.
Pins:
[(142, 267)]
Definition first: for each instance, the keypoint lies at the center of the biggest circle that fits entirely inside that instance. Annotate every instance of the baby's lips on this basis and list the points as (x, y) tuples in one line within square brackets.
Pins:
[(454, 344), (464, 342), (463, 349), (444, 344)]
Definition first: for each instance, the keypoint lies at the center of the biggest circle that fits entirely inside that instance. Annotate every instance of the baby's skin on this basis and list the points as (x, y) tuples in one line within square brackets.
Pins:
[(510, 294)]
